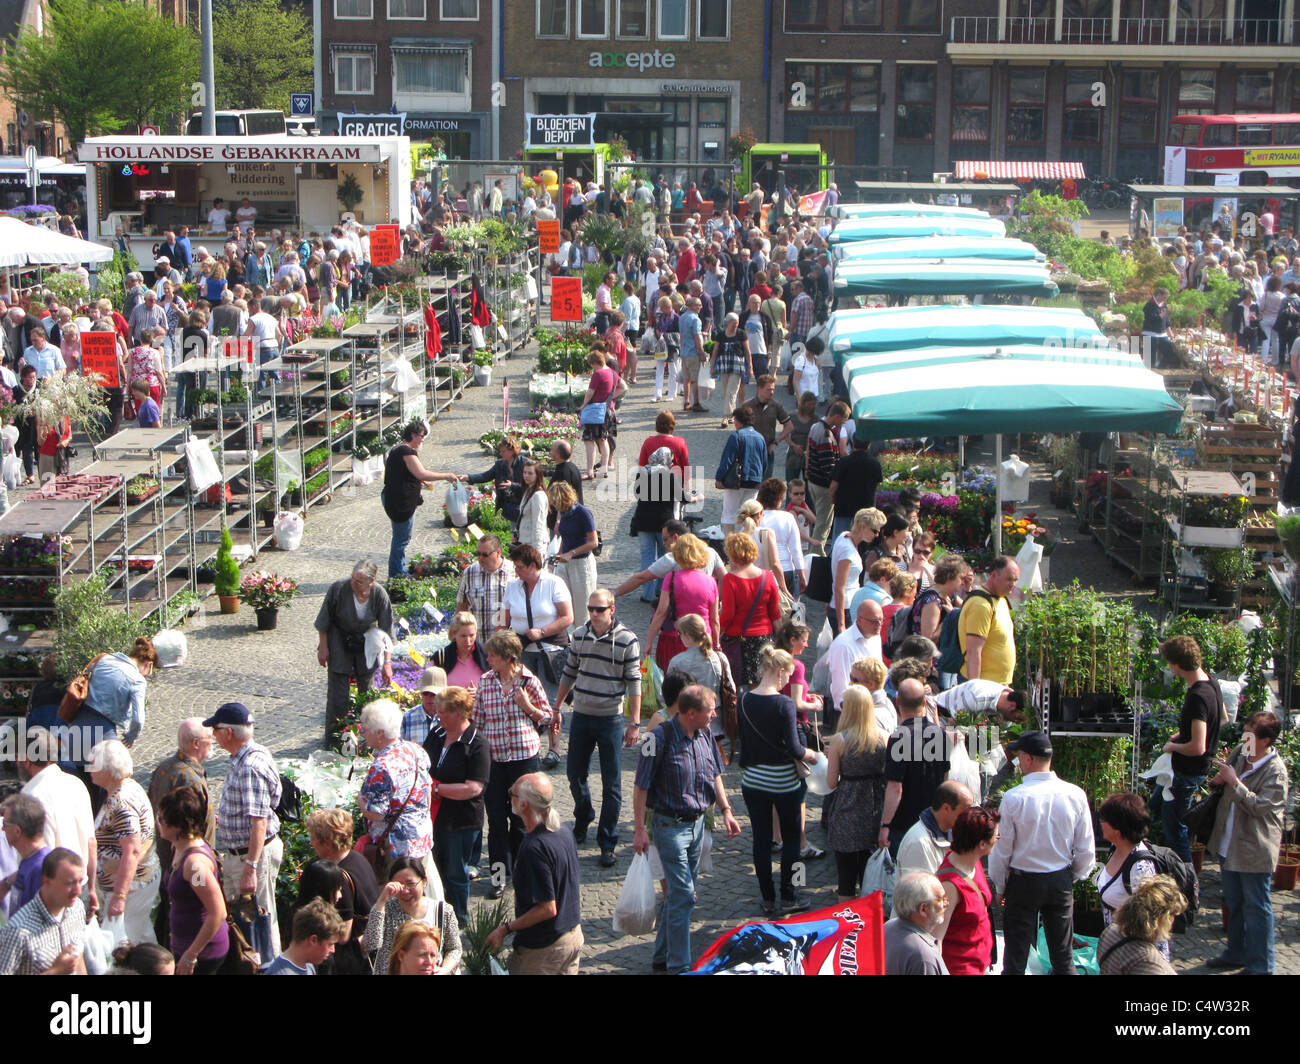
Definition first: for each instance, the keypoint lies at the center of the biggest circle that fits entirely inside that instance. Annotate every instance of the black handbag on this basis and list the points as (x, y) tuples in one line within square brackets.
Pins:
[(731, 479), (819, 579), (1199, 816)]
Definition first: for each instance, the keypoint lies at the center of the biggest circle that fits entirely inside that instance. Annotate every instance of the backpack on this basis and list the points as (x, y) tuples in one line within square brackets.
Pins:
[(289, 809), (822, 457), (900, 627), (951, 658), (1288, 316), (1183, 872)]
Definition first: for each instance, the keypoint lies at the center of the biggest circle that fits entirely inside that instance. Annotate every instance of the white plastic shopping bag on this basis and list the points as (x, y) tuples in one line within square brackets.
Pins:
[(817, 780), (477, 338), (288, 530), (879, 875), (98, 948), (404, 377), (962, 769), (634, 912), (457, 503)]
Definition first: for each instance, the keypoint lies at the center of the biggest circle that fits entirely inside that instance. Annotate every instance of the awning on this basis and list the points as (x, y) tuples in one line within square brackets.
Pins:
[(972, 276), (891, 330), (34, 245), (1017, 171), (968, 391)]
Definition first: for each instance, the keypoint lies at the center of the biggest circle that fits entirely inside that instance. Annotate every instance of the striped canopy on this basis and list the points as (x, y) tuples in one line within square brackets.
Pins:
[(892, 329), (939, 247), (1008, 170), (885, 226), (911, 277), (972, 390)]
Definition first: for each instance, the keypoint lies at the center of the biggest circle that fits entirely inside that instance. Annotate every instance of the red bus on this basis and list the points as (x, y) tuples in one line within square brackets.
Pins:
[(1254, 149)]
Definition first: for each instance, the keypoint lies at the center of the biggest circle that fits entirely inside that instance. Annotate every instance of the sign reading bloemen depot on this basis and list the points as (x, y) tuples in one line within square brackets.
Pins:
[(561, 131)]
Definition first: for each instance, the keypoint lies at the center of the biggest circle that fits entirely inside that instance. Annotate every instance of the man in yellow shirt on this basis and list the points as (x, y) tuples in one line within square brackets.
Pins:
[(985, 630)]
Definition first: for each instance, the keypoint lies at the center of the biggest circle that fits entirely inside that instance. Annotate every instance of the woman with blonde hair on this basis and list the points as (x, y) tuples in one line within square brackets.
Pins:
[(871, 673), (700, 663), (846, 564), (576, 562), (1131, 944), (534, 508), (687, 589), (749, 522), (417, 950), (751, 607), (855, 771), (331, 832)]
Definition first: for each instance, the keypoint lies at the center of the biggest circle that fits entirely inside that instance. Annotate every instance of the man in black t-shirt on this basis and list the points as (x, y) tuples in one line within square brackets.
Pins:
[(548, 916), (916, 762), (853, 485), (1193, 748)]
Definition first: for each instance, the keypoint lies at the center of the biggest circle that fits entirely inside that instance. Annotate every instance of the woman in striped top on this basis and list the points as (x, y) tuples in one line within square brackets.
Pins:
[(769, 748)]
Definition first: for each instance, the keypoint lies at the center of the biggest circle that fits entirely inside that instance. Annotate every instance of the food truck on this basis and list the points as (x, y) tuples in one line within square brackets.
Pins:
[(141, 186)]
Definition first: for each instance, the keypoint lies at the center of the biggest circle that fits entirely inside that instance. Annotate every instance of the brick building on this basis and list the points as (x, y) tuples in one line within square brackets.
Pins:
[(674, 78), (431, 60)]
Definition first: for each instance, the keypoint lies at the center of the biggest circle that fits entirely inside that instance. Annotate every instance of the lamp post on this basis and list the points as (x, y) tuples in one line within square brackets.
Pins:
[(208, 72)]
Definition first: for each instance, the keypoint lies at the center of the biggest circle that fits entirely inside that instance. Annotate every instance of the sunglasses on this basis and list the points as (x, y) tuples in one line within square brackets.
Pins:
[(922, 553), (599, 609), (485, 553)]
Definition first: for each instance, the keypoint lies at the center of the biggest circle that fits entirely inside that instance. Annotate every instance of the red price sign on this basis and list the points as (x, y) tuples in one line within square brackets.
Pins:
[(548, 235), (385, 245), (240, 347), (566, 299), (99, 358)]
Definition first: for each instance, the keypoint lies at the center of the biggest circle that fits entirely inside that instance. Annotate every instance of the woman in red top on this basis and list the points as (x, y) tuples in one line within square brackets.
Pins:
[(665, 423), (604, 387), (966, 935), (751, 609), (760, 287)]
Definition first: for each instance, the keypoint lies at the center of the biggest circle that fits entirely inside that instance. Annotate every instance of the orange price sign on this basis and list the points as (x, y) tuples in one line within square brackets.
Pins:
[(240, 347), (385, 245), (99, 358), (566, 299), (548, 235)]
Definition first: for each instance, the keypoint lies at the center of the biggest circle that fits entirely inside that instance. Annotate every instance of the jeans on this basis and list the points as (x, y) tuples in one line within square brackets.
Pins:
[(267, 354), (184, 382), (402, 533), (1175, 830), (840, 524), (1250, 920), (679, 844), (453, 853), (760, 805), (588, 732), (505, 830), (1050, 894), (652, 546)]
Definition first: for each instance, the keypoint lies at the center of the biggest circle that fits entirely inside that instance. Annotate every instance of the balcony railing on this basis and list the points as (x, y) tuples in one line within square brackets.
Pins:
[(1085, 30), (1143, 31), (984, 29)]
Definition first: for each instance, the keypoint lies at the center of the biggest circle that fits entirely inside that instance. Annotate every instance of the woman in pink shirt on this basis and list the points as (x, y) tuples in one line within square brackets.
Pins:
[(687, 589), (604, 387)]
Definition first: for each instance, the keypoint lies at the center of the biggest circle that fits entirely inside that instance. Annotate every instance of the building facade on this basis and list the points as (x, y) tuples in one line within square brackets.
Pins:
[(429, 60), (920, 84), (672, 78)]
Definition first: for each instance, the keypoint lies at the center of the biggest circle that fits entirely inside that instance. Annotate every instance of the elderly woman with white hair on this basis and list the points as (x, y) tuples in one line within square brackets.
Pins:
[(127, 872), (350, 610), (397, 793)]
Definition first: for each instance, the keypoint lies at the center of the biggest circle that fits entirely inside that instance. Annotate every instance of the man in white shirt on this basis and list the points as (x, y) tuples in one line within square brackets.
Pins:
[(928, 840), (1046, 845), (246, 214), (218, 217), (68, 819), (860, 640), (983, 697)]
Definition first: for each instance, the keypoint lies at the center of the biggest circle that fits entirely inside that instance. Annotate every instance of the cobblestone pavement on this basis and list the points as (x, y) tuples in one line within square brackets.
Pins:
[(276, 674)]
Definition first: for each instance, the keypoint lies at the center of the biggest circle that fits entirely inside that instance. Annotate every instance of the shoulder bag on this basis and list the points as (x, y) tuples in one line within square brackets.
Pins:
[(801, 767), (731, 478), (378, 853), (559, 640), (75, 695), (1199, 816), (726, 697)]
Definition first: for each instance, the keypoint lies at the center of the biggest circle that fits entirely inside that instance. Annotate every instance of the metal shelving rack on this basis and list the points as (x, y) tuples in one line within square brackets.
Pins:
[(1132, 500), (1179, 485)]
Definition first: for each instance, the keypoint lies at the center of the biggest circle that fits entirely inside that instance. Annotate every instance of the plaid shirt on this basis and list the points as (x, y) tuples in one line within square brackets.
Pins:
[(33, 939), (510, 733), (801, 316), (252, 789), (678, 771), (485, 593), (416, 725)]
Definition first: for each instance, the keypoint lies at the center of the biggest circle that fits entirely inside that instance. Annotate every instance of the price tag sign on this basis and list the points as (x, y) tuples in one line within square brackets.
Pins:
[(566, 299), (548, 235), (385, 245), (99, 358), (240, 347)]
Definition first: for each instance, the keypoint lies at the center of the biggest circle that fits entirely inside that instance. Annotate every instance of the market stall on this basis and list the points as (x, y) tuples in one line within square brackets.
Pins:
[(1169, 206), (23, 245), (142, 186), (61, 185), (996, 198)]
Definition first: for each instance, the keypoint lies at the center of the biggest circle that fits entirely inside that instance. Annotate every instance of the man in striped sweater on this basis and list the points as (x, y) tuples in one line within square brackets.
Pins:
[(603, 669)]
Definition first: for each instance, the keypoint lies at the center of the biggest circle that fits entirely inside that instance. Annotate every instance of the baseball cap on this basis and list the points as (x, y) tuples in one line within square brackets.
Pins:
[(1033, 743), (163, 258), (229, 713), (433, 681)]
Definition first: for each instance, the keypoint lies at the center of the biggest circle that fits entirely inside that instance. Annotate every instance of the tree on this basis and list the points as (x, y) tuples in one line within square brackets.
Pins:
[(263, 53), (101, 64)]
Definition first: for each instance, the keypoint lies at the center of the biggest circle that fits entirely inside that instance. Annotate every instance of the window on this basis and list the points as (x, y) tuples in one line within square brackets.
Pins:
[(354, 73), (806, 14), (1025, 99), (459, 11), (672, 20), (406, 9), (1082, 119), (860, 14), (1254, 91), (633, 18), (1219, 135), (970, 103), (552, 18), (914, 110), (714, 20), (918, 14), (424, 73), (832, 88), (1196, 92), (593, 18), (1139, 105), (354, 9)]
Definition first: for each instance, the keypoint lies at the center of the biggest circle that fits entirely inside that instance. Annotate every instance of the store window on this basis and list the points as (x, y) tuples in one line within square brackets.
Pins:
[(914, 111), (864, 88), (918, 14), (1139, 106), (552, 18), (418, 75), (459, 10), (672, 20), (354, 73), (714, 20), (970, 103), (1254, 91), (861, 14), (406, 9), (1026, 99), (593, 18), (354, 9), (1196, 92), (832, 88), (805, 14), (1082, 119), (634, 19)]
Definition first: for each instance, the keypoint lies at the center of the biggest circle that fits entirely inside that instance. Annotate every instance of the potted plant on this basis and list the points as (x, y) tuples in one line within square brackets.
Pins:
[(226, 578), (267, 593), (1228, 569), (483, 366), (349, 192), (141, 487)]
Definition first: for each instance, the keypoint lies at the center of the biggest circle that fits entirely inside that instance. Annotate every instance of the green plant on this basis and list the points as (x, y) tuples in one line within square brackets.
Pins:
[(483, 920), (88, 623), (741, 142), (141, 484), (1216, 511), (1078, 639), (236, 393), (298, 853), (1230, 567), (226, 580), (265, 591), (349, 192), (608, 235), (484, 357), (1288, 531), (1223, 646)]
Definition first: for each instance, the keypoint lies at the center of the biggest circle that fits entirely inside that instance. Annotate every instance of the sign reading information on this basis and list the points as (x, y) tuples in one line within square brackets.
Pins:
[(561, 131)]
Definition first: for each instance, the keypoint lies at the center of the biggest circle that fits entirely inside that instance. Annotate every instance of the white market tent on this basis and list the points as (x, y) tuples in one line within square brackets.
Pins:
[(23, 245)]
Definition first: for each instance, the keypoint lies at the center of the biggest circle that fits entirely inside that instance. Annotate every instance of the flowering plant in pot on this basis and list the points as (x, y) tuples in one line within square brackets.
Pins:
[(266, 593)]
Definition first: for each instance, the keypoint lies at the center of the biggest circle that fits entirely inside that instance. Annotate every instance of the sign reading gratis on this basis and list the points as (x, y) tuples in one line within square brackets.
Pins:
[(561, 131), (386, 125)]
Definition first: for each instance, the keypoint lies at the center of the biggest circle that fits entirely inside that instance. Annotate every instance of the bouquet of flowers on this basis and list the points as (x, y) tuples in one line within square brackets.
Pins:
[(263, 590), (1015, 530)]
